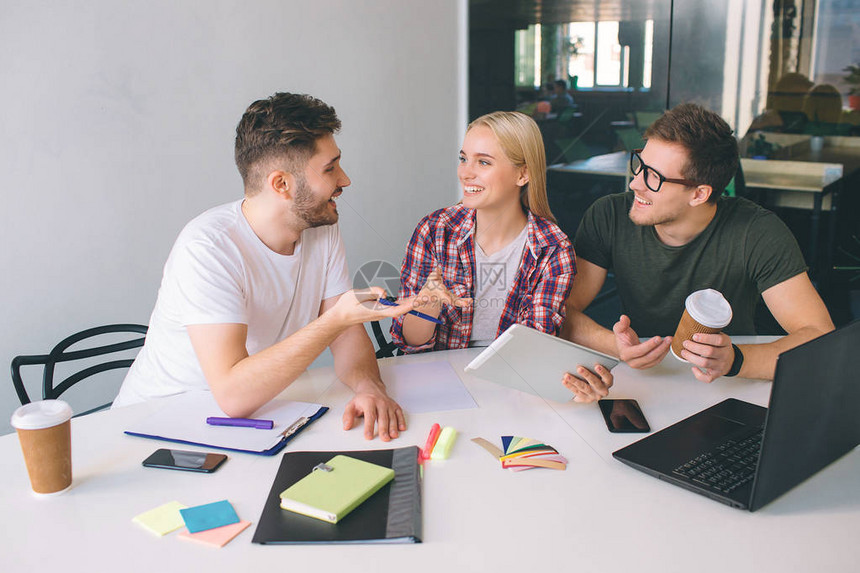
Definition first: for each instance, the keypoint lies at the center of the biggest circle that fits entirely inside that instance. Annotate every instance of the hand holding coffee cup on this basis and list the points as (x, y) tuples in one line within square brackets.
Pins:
[(44, 431), (705, 311)]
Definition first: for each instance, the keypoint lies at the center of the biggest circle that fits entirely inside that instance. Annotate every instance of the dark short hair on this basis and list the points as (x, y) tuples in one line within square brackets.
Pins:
[(561, 83), (284, 126), (711, 147)]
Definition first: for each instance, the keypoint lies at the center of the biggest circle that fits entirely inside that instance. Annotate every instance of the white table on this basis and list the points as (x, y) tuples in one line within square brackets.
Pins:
[(598, 515)]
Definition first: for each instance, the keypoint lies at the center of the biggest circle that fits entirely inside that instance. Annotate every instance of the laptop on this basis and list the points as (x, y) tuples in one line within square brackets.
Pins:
[(745, 455)]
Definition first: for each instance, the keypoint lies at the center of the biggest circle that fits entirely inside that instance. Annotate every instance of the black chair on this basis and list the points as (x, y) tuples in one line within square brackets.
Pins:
[(737, 187), (606, 306), (385, 348), (61, 353), (630, 138)]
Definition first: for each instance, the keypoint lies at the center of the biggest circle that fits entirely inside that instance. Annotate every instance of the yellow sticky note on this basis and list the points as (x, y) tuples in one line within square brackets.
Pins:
[(163, 519), (444, 444)]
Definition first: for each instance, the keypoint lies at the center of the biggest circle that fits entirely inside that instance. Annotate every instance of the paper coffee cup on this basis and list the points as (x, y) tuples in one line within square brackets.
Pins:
[(705, 311), (44, 430)]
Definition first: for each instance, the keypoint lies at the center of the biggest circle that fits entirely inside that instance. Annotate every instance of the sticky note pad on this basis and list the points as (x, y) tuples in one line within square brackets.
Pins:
[(163, 519), (218, 537), (209, 516), (444, 444)]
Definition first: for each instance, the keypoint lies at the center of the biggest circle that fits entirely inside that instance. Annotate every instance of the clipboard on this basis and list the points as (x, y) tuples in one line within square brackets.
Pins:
[(182, 419)]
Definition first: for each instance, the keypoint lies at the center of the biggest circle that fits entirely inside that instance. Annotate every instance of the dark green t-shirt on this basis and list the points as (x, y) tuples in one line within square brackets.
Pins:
[(744, 251)]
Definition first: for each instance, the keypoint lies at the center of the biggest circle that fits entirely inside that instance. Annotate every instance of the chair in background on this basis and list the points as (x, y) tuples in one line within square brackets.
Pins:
[(630, 137), (737, 187), (606, 306), (385, 348), (567, 120), (644, 119), (571, 149), (61, 354)]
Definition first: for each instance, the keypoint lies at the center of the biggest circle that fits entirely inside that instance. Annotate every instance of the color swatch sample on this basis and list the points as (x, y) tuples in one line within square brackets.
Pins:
[(524, 453), (527, 453), (163, 519)]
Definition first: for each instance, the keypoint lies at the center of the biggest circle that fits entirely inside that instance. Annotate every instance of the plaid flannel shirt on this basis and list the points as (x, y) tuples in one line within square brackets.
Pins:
[(445, 238)]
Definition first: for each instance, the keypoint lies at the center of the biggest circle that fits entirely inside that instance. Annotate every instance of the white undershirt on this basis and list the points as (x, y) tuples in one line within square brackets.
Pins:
[(494, 278)]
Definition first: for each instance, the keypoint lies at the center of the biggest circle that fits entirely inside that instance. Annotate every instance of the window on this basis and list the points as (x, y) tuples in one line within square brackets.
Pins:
[(601, 61), (591, 52), (527, 66), (582, 64)]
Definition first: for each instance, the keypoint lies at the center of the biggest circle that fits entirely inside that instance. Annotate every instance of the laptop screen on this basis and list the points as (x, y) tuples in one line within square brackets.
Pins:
[(812, 417)]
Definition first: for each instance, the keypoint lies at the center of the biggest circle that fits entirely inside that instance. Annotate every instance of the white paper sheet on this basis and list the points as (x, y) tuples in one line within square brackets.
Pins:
[(426, 387)]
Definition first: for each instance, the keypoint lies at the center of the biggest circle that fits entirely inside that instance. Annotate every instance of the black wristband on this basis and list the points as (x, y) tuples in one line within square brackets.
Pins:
[(738, 362)]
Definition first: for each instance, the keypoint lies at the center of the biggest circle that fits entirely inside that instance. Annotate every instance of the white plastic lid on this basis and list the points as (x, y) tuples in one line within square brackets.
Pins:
[(42, 414), (709, 308)]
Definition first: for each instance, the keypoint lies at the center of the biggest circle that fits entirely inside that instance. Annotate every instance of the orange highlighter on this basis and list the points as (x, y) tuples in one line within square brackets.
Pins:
[(431, 441)]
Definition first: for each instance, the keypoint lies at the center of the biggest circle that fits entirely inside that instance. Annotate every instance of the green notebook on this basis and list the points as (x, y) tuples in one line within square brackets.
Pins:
[(335, 488)]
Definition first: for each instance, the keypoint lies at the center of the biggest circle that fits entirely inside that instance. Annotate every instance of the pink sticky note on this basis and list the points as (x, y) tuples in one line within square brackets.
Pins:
[(218, 537)]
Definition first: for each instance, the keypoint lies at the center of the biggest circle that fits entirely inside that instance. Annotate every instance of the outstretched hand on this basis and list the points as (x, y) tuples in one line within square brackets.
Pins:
[(357, 306), (434, 293), (639, 354)]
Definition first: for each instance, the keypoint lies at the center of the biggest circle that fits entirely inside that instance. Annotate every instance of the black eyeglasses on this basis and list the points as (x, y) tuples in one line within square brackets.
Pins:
[(653, 178)]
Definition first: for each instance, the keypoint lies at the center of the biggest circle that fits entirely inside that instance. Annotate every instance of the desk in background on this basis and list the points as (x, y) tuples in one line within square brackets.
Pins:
[(598, 515), (818, 181), (614, 165), (573, 187)]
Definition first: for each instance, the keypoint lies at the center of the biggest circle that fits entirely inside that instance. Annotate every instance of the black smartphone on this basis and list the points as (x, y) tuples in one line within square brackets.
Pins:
[(184, 460), (623, 416)]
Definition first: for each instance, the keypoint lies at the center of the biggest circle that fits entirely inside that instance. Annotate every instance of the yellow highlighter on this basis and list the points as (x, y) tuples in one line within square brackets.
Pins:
[(444, 444)]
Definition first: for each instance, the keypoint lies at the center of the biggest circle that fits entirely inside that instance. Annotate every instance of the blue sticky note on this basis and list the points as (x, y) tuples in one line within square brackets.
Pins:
[(209, 516)]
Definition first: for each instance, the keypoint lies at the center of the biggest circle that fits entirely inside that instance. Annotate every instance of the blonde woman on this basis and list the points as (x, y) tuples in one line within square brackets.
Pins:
[(497, 257)]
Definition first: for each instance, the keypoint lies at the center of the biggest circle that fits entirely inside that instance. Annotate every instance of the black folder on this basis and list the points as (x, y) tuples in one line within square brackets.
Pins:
[(391, 515)]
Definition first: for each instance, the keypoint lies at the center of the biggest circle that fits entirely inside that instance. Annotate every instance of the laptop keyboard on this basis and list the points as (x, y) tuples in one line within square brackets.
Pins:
[(728, 466)]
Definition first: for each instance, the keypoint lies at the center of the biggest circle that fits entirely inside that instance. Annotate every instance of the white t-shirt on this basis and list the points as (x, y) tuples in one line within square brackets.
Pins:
[(220, 272), (494, 279)]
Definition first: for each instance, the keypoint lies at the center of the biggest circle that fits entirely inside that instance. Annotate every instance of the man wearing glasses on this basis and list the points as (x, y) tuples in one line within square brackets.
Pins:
[(675, 234)]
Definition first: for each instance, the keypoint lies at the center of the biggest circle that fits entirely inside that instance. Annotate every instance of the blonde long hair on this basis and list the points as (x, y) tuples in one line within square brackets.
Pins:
[(521, 140)]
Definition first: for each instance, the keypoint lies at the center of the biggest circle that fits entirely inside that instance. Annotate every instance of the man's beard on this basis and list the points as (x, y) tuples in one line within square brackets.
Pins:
[(652, 218), (313, 212)]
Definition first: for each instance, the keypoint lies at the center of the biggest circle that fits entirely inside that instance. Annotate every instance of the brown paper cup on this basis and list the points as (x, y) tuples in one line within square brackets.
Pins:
[(687, 327), (47, 449), (705, 311)]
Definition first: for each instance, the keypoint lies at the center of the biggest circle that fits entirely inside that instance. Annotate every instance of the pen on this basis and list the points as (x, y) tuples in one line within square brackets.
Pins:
[(388, 302), (431, 441), (241, 422)]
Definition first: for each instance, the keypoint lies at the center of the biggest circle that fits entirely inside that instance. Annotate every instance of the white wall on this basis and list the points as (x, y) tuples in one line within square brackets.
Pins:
[(117, 122)]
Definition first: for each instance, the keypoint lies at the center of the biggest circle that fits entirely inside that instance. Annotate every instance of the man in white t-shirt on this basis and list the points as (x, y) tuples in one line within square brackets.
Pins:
[(254, 290)]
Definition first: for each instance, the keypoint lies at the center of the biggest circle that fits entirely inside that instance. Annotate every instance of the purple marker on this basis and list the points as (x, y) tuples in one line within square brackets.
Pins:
[(241, 423)]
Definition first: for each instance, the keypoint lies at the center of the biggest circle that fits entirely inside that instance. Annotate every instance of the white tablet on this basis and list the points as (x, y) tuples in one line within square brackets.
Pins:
[(535, 362)]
